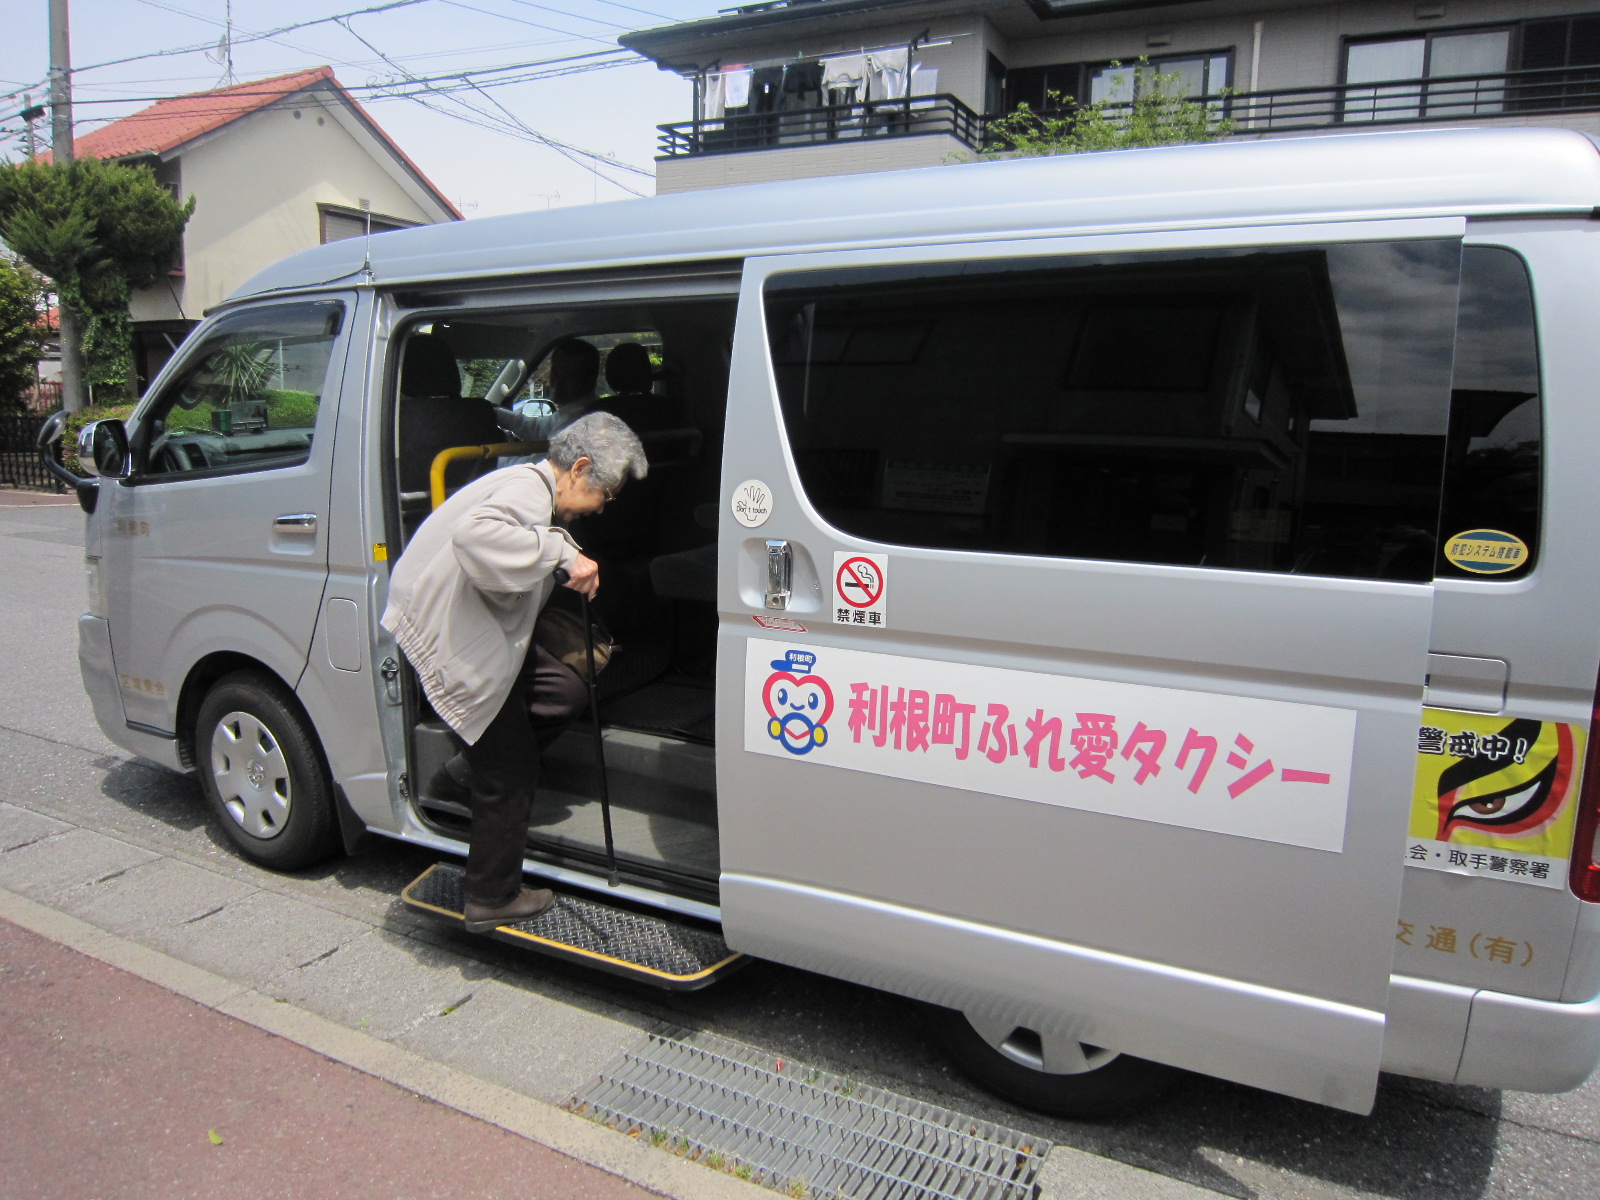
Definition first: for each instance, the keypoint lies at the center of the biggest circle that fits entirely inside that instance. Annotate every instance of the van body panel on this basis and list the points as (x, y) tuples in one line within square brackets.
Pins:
[(199, 563), (1547, 639), (1448, 921), (1295, 1044), (207, 578), (1314, 925), (1426, 1027), (341, 688), (1528, 1045), (1583, 963), (99, 671)]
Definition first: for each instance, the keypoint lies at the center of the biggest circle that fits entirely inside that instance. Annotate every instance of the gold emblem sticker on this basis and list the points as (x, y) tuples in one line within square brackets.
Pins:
[(1486, 551)]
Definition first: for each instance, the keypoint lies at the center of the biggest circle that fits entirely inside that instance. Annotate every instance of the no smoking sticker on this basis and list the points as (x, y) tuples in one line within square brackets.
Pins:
[(861, 589)]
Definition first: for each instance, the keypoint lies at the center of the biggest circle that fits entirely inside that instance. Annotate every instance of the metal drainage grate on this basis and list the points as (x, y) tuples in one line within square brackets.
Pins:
[(803, 1131)]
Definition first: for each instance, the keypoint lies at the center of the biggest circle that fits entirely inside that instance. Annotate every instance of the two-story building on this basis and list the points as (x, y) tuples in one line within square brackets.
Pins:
[(792, 88), (276, 166)]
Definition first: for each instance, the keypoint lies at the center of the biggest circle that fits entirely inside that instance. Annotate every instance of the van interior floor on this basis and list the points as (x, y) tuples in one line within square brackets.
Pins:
[(676, 706)]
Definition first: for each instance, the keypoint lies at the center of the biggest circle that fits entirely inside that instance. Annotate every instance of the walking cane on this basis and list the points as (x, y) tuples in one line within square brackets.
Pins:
[(594, 716)]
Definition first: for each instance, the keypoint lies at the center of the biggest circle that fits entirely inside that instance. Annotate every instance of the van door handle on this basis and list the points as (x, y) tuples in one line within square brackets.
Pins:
[(780, 572), (295, 523)]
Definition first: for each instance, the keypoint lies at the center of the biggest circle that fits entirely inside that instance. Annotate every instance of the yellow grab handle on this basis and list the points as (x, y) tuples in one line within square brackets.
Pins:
[(454, 454)]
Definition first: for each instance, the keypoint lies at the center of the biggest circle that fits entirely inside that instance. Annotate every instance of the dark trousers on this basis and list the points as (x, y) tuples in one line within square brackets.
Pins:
[(504, 767)]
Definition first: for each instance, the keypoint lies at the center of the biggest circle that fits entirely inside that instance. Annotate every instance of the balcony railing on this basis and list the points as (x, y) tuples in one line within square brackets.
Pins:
[(1441, 98), (1282, 110), (916, 116)]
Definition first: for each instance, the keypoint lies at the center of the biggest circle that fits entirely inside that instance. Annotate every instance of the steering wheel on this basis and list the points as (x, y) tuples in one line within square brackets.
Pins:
[(169, 457)]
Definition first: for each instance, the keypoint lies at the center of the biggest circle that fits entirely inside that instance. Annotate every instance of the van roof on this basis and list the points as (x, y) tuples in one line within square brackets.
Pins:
[(1412, 173)]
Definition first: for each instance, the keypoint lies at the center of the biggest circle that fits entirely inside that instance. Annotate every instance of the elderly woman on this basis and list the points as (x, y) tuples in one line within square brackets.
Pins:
[(463, 599)]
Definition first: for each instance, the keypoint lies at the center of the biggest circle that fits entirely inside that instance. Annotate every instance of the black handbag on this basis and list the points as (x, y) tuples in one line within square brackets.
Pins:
[(559, 632)]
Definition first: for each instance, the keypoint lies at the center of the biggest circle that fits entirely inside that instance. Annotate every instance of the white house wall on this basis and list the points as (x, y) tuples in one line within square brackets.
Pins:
[(1300, 45), (258, 182), (846, 157)]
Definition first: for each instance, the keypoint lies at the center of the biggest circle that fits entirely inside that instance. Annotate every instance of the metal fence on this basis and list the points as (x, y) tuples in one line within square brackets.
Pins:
[(19, 459)]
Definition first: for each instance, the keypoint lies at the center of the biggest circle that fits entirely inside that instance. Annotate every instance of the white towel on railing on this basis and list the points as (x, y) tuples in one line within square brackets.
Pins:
[(711, 100), (847, 71), (886, 73)]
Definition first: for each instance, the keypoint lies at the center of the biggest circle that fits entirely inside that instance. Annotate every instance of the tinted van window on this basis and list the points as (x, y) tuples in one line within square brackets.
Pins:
[(249, 396), (1492, 489), (1273, 410)]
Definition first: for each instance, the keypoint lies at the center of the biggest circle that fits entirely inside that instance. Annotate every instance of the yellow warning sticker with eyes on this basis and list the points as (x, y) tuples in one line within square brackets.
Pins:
[(1495, 796)]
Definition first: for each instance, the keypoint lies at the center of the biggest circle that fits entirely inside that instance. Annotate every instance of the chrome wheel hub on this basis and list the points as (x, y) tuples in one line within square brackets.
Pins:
[(1050, 1054)]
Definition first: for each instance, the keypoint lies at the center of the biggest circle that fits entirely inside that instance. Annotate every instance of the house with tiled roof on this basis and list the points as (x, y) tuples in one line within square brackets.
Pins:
[(276, 166)]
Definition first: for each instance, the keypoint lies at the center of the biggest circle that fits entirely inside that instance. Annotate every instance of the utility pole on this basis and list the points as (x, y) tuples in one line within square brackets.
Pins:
[(72, 394)]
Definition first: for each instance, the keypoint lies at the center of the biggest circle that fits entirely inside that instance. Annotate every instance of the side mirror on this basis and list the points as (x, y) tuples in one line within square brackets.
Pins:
[(103, 449), (49, 437)]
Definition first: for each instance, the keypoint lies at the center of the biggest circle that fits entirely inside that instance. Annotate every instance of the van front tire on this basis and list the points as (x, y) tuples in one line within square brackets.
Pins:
[(1088, 1081), (263, 773)]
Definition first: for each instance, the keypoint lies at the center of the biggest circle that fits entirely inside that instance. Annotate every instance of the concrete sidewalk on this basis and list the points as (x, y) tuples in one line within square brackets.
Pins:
[(118, 1087), (342, 976)]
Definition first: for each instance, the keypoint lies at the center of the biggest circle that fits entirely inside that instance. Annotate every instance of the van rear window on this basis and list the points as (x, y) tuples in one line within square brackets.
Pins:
[(1490, 527), (1271, 410)]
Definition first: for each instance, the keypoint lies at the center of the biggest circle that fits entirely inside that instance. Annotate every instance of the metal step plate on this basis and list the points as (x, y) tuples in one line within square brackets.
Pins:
[(803, 1131), (641, 946)]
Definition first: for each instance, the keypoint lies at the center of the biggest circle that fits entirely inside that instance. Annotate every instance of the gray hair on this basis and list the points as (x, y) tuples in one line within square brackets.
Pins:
[(610, 446)]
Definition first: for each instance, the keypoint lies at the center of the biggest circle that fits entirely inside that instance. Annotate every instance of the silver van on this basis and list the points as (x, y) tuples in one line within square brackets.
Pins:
[(1136, 603)]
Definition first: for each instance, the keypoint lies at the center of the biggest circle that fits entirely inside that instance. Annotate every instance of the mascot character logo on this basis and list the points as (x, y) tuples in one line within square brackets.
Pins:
[(798, 703)]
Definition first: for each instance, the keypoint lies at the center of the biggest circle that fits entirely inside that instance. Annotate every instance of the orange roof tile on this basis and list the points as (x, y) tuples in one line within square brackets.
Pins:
[(168, 124)]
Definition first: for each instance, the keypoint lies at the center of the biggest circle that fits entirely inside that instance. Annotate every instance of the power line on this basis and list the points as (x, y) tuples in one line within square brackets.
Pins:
[(530, 71), (487, 12), (561, 12), (250, 37), (571, 153), (645, 11)]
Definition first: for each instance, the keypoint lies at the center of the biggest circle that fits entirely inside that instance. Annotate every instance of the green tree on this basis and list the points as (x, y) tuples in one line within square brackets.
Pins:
[(21, 332), (1160, 114), (99, 230)]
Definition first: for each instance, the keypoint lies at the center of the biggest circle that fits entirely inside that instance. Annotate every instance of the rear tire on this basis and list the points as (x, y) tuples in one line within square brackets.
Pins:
[(263, 774), (1081, 1081)]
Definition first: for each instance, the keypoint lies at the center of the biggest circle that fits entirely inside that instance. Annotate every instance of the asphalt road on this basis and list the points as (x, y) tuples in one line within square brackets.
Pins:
[(1423, 1140)]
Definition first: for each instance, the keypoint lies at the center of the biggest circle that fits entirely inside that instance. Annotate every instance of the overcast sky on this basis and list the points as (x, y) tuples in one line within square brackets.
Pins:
[(611, 111)]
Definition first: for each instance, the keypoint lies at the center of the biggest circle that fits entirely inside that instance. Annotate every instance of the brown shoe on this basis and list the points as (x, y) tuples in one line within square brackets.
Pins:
[(529, 903)]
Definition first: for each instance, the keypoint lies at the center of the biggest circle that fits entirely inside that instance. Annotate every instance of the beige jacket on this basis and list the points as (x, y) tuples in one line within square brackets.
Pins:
[(465, 594)]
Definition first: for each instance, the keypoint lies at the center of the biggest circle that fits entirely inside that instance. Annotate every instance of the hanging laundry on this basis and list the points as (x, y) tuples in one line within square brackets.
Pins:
[(848, 71), (886, 74), (924, 80), (802, 85), (736, 87), (766, 89), (712, 97)]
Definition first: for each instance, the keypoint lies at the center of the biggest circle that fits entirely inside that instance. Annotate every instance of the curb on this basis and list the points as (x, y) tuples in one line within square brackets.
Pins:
[(533, 1119)]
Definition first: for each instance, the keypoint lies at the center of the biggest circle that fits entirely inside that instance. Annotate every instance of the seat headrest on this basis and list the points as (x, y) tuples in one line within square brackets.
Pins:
[(429, 368), (628, 369)]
